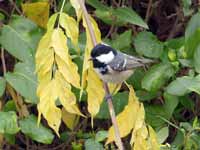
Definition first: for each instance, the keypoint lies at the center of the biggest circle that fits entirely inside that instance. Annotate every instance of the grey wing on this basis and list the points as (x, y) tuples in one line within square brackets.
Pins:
[(123, 62)]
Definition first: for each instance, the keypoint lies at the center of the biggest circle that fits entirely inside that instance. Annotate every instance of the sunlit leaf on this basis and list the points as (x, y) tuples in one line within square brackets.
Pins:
[(56, 73), (71, 27), (95, 92), (127, 114), (153, 139), (77, 7), (38, 12)]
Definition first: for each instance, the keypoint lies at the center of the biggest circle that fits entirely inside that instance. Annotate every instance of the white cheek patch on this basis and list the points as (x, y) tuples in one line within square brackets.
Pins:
[(106, 58)]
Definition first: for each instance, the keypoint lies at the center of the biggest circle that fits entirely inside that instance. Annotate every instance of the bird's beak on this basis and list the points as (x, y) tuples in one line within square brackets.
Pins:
[(90, 59)]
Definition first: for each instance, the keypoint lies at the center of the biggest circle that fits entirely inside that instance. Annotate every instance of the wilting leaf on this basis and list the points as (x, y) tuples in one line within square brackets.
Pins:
[(128, 113), (38, 12), (95, 92), (56, 73), (71, 27), (148, 45), (77, 7), (69, 119), (36, 132), (94, 86), (48, 94), (156, 76), (8, 122), (153, 139)]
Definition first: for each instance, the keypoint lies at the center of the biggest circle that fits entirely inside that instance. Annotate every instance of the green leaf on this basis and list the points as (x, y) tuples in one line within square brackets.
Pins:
[(9, 106), (120, 100), (175, 43), (8, 122), (171, 103), (24, 81), (186, 7), (136, 78), (10, 138), (20, 38), (184, 85), (101, 135), (192, 26), (2, 86), (146, 96), (148, 45), (38, 133), (197, 59), (192, 35), (91, 144), (187, 102), (156, 76), (162, 134), (128, 15), (153, 114), (123, 41), (97, 4), (192, 43)]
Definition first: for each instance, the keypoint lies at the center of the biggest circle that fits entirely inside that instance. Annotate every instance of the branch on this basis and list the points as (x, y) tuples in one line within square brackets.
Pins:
[(108, 97)]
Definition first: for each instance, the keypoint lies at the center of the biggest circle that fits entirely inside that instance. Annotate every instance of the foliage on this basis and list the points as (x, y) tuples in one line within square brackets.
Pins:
[(47, 73)]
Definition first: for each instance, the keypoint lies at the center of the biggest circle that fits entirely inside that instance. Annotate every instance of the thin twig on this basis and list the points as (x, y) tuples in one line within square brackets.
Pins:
[(148, 11), (3, 61), (16, 8), (109, 99)]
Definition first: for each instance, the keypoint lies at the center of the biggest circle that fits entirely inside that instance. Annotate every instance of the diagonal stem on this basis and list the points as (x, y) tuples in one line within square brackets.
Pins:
[(109, 99)]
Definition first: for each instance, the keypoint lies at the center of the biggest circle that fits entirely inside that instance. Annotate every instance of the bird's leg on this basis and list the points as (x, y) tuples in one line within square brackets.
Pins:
[(108, 96)]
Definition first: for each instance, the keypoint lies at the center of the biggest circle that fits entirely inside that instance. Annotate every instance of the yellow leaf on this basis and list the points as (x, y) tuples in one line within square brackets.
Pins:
[(67, 98), (51, 22), (44, 64), (95, 92), (47, 106), (139, 123), (154, 145), (129, 113), (67, 68), (140, 141), (89, 46), (69, 119), (71, 28), (56, 71), (77, 7), (38, 12)]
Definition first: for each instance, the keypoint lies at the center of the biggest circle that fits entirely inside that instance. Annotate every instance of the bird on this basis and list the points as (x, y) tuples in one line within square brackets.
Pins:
[(113, 66)]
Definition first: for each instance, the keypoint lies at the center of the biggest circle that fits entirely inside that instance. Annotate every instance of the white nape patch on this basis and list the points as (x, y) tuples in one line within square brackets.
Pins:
[(106, 58), (105, 44)]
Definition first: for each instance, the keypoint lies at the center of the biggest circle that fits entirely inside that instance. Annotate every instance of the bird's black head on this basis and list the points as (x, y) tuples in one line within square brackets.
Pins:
[(101, 49), (101, 55)]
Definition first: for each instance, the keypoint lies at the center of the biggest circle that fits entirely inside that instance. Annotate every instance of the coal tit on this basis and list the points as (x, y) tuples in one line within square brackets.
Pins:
[(114, 66)]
